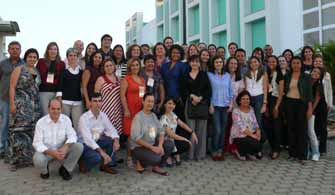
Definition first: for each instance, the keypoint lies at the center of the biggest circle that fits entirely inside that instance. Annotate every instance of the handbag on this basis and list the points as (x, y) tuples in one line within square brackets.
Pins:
[(199, 111)]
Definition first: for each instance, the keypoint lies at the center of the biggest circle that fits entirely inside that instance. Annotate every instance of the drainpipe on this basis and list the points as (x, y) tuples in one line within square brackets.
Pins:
[(184, 22)]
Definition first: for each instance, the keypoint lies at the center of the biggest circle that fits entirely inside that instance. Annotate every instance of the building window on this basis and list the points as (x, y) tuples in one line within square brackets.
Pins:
[(194, 20), (159, 13), (311, 20), (175, 28), (160, 33), (327, 1), (220, 38), (328, 16), (328, 35), (258, 33), (308, 4), (218, 12), (257, 5), (311, 38), (197, 41), (174, 5)]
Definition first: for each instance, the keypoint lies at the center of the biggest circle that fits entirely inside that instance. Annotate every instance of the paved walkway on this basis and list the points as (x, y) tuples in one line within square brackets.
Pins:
[(206, 177)]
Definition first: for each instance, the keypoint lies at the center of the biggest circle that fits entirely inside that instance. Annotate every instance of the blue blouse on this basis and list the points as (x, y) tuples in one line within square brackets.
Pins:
[(222, 89)]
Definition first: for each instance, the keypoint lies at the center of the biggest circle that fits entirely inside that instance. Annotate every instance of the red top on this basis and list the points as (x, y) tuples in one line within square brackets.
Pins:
[(54, 68)]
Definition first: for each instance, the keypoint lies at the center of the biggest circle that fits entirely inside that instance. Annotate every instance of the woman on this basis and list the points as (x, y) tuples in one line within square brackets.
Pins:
[(25, 111), (256, 83), (273, 115), (109, 87), (120, 61), (259, 53), (154, 82), (172, 73), (160, 53), (317, 92), (131, 92), (221, 51), (50, 68), (222, 95), (148, 145), (71, 88), (232, 47), (204, 60), (245, 132), (196, 89), (307, 54), (324, 107), (170, 121), (288, 54), (192, 50), (134, 51), (90, 49), (298, 91), (283, 65), (212, 50), (90, 76)]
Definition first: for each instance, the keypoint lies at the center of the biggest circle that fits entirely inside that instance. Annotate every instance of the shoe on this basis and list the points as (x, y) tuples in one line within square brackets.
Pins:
[(64, 173), (164, 173), (220, 158), (82, 168), (215, 158), (259, 155), (139, 167), (178, 163), (315, 157), (45, 176), (251, 157), (108, 169)]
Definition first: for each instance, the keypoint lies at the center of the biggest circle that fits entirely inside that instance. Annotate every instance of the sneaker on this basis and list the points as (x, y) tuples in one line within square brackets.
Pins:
[(64, 173), (315, 157)]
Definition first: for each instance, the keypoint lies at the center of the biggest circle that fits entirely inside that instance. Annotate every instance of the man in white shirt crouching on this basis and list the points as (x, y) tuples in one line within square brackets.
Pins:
[(99, 137), (55, 139)]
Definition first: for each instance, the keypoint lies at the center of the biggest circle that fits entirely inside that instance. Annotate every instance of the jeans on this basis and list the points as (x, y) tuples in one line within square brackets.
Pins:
[(257, 103), (93, 158), (220, 117), (4, 120), (45, 97), (74, 112), (313, 140)]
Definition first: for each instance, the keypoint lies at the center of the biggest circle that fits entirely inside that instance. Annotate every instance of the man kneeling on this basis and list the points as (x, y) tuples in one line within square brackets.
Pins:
[(56, 139), (99, 137)]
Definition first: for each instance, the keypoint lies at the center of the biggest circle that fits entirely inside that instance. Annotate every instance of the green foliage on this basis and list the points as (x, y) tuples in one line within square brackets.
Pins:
[(328, 53)]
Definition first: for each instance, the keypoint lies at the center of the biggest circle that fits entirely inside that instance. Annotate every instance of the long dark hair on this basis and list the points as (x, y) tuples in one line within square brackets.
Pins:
[(46, 53), (303, 52), (92, 60), (162, 111), (209, 60), (237, 72), (129, 50), (212, 65), (260, 69), (154, 49), (86, 56), (123, 58), (262, 53)]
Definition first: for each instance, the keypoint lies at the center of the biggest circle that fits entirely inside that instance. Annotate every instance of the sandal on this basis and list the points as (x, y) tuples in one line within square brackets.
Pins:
[(164, 173), (139, 167)]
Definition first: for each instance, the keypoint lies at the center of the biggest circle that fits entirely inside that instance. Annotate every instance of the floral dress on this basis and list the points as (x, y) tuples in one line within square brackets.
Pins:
[(22, 123)]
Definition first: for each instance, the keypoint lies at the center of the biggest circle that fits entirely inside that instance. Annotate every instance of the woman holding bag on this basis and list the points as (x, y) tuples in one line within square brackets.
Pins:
[(196, 90)]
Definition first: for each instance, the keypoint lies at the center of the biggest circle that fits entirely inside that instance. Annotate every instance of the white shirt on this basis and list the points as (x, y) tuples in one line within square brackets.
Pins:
[(51, 135), (91, 128), (254, 87)]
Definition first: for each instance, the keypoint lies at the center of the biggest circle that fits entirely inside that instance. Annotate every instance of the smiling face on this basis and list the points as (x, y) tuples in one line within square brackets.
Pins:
[(52, 52), (54, 109), (31, 59), (232, 48), (148, 103), (195, 64), (90, 50), (175, 55), (254, 64), (272, 63), (169, 106), (308, 53), (296, 65), (14, 51), (283, 63), (136, 52), (204, 56), (149, 65), (232, 65), (106, 42), (288, 56), (97, 59), (193, 50), (135, 67), (212, 50), (109, 68), (316, 74), (160, 50), (218, 65), (318, 62), (220, 52), (245, 101), (72, 58)]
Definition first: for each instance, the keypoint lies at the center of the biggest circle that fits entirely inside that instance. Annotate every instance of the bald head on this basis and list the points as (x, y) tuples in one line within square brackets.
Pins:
[(79, 45), (54, 109)]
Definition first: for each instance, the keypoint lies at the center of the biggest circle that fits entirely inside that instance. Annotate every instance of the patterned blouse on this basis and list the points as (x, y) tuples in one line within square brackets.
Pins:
[(241, 122)]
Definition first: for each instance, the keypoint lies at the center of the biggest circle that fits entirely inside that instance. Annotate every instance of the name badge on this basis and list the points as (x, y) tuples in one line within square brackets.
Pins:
[(152, 132), (141, 91), (118, 73), (50, 78), (95, 134), (151, 82)]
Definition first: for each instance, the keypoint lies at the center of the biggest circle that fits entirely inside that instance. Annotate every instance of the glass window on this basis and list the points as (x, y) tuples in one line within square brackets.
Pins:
[(328, 16), (328, 35), (308, 4), (311, 20), (221, 9), (257, 5), (175, 28), (174, 5), (327, 1), (160, 33), (194, 22), (311, 38), (258, 33)]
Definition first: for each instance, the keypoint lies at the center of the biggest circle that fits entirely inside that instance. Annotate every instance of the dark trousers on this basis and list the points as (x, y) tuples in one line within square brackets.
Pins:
[(321, 115), (149, 158), (297, 128), (247, 145), (181, 146), (93, 158), (273, 125)]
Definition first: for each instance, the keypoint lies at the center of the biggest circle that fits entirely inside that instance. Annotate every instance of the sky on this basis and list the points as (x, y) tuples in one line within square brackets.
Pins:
[(64, 21)]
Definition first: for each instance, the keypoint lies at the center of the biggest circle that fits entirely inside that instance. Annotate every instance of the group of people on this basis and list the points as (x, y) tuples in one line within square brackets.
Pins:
[(164, 104)]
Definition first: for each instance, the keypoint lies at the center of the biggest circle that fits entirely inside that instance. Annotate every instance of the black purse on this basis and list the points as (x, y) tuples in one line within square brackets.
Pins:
[(199, 111)]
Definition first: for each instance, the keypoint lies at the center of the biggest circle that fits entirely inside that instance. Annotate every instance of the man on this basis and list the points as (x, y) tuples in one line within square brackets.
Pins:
[(79, 46), (168, 42), (240, 55), (145, 48), (99, 137), (268, 51), (106, 43), (6, 68), (55, 139)]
